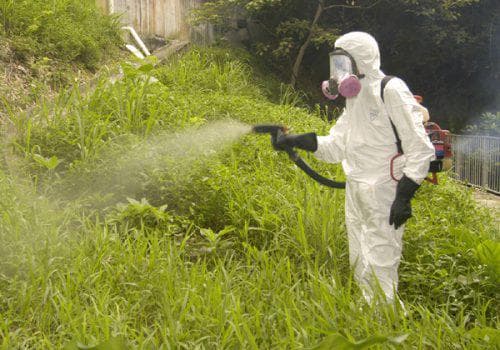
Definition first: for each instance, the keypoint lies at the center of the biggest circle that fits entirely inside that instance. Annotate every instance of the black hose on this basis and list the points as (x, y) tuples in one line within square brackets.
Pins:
[(294, 156)]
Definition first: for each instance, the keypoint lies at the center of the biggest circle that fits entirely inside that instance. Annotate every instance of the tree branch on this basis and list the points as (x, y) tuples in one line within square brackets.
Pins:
[(351, 6), (302, 50)]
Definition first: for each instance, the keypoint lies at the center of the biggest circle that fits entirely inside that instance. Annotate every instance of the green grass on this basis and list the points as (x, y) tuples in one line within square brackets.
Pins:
[(231, 249)]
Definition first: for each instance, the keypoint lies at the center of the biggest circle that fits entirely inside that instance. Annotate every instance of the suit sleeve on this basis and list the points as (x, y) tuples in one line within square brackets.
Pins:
[(331, 148), (407, 116)]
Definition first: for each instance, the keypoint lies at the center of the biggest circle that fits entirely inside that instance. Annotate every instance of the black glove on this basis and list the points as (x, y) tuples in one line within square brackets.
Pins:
[(401, 207), (308, 142)]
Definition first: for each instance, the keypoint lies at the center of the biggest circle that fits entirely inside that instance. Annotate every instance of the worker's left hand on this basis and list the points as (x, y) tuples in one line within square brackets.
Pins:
[(400, 213), (401, 207)]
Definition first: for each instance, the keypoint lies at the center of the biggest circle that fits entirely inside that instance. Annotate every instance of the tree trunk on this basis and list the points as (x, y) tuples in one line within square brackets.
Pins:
[(302, 50)]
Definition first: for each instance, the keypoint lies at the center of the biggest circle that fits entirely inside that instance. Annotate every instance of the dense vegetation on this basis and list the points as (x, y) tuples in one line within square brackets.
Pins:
[(140, 213)]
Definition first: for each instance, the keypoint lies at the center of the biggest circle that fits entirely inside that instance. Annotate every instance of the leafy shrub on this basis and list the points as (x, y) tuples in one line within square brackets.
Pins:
[(69, 31), (141, 214)]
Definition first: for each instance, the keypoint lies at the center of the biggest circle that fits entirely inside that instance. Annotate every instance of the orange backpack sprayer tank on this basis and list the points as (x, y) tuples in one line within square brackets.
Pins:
[(441, 140)]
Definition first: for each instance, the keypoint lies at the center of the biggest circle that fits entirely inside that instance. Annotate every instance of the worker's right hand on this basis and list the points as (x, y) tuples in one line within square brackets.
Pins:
[(308, 141)]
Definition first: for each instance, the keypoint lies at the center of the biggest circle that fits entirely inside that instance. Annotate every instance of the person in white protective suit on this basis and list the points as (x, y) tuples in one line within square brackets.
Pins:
[(377, 204)]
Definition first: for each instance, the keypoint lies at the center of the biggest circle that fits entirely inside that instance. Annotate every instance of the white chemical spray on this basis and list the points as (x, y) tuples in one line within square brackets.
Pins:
[(126, 167)]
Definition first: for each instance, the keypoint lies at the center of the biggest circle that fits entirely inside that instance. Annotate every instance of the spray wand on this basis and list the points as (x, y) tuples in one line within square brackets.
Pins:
[(275, 131)]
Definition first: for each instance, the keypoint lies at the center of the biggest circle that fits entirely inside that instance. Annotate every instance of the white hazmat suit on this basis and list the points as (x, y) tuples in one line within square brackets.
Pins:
[(364, 141)]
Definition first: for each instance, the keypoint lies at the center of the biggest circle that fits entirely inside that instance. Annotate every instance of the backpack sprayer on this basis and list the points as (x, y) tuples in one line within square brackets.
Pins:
[(276, 130), (440, 139)]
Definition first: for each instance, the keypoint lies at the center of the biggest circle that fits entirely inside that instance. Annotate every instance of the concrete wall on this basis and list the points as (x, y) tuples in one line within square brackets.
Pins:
[(164, 18)]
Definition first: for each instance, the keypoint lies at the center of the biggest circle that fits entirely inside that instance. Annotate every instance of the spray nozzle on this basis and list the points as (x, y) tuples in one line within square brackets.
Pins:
[(277, 130), (272, 129)]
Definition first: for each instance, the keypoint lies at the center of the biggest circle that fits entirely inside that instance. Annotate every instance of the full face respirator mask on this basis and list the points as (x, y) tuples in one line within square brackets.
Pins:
[(344, 76)]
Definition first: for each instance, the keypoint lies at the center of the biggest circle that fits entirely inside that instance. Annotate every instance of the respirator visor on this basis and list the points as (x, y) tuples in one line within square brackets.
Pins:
[(340, 65)]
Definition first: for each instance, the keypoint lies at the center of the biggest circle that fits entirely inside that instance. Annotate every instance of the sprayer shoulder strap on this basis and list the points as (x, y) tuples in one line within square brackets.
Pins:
[(385, 80)]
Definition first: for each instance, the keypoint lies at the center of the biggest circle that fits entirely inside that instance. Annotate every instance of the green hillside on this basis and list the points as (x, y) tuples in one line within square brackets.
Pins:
[(142, 214)]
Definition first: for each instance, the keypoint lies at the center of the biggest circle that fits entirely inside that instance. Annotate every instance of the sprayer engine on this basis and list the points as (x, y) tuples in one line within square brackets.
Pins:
[(441, 140)]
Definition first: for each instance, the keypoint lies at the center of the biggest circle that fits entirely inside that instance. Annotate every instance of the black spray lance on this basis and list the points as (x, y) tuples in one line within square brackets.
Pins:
[(275, 131)]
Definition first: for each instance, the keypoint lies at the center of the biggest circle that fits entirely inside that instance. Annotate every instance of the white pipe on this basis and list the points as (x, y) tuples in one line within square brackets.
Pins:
[(137, 39), (135, 51)]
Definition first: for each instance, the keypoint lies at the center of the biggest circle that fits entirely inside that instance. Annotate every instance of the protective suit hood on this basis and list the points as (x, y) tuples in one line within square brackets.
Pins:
[(364, 49)]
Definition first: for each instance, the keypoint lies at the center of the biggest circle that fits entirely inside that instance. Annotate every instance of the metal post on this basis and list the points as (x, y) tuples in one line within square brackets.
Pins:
[(485, 163)]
